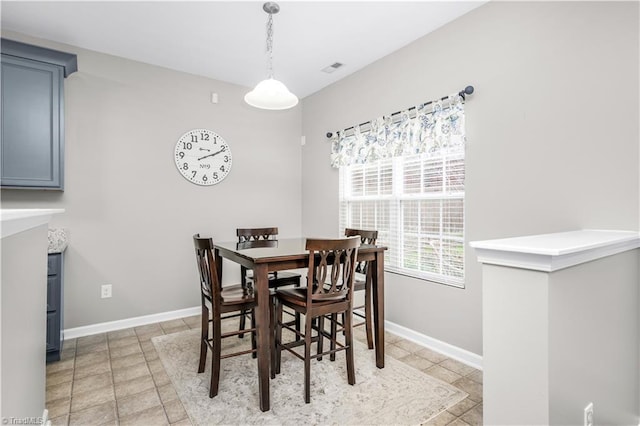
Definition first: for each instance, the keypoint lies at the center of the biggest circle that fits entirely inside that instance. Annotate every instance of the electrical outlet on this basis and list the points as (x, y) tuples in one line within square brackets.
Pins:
[(588, 415), (106, 291)]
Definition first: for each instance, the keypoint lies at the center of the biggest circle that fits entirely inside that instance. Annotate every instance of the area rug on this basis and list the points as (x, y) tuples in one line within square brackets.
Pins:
[(395, 395)]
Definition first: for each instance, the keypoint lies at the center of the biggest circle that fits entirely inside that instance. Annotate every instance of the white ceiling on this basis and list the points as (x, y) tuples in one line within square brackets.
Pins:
[(225, 40)]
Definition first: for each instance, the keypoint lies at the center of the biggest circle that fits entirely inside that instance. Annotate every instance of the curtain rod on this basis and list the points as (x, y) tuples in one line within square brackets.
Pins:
[(466, 91)]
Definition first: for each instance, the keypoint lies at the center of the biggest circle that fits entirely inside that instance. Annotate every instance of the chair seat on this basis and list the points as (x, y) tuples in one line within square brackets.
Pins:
[(235, 295), (281, 279), (298, 296)]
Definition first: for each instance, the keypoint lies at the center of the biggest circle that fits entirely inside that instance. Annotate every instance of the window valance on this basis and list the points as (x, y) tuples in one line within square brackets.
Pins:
[(433, 128)]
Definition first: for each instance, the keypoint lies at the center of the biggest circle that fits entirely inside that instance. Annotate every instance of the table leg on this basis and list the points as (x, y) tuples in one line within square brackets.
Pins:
[(261, 288), (378, 307)]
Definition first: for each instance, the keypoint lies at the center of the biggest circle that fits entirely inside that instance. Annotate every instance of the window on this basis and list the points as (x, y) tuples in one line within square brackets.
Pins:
[(416, 203)]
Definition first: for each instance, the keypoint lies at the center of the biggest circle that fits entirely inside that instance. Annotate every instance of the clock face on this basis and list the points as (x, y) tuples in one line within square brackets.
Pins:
[(203, 157)]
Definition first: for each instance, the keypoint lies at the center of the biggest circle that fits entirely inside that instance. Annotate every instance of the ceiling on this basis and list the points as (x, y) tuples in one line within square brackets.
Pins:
[(225, 40)]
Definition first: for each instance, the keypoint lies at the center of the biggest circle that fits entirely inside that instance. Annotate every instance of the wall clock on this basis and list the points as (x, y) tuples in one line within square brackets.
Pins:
[(203, 157)]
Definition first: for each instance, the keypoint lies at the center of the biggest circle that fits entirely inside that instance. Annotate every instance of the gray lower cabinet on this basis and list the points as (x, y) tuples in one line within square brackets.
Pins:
[(54, 306), (32, 137)]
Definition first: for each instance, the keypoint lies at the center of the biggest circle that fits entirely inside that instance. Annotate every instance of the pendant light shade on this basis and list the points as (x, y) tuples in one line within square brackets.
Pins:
[(271, 93)]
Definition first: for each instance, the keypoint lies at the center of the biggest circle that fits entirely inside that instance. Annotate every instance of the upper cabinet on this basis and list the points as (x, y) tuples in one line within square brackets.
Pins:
[(32, 136)]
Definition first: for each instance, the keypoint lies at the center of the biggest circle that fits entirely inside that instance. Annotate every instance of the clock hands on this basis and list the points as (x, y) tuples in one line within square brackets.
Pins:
[(204, 149), (211, 155)]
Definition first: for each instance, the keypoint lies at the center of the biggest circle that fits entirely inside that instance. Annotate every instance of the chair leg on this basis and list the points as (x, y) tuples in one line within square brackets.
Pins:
[(272, 328), (368, 307), (348, 340), (320, 335), (278, 337), (297, 317), (297, 314), (334, 332), (215, 358), (204, 335), (307, 361), (243, 323), (253, 333)]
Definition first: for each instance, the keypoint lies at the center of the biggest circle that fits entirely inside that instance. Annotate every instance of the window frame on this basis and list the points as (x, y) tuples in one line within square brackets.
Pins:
[(396, 233)]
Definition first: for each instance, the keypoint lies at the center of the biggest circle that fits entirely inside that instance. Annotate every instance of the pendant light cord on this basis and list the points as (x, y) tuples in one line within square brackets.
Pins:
[(270, 45)]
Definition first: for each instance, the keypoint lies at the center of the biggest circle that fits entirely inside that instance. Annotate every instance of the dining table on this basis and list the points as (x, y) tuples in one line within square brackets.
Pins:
[(291, 253)]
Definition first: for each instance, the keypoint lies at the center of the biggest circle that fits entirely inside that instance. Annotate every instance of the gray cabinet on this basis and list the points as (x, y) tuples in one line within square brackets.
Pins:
[(32, 137), (54, 306)]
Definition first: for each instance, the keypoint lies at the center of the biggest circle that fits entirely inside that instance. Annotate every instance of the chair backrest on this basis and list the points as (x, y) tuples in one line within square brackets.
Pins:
[(332, 268), (366, 237), (257, 237), (207, 270)]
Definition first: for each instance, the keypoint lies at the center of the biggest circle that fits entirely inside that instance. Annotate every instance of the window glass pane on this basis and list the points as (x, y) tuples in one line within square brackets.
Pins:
[(430, 217), (357, 181), (453, 217), (386, 178), (455, 175), (453, 252), (410, 251), (411, 176), (429, 259), (410, 216), (432, 177), (371, 181)]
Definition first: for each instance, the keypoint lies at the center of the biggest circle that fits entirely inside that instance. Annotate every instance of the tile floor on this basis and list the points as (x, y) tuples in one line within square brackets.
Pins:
[(116, 378)]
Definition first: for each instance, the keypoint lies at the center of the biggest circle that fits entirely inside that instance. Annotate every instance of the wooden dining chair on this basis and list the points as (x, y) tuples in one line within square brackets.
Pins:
[(329, 290), (264, 237), (217, 301), (362, 281)]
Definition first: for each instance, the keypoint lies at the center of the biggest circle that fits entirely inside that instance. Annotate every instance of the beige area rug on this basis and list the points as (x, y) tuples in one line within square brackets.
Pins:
[(397, 394)]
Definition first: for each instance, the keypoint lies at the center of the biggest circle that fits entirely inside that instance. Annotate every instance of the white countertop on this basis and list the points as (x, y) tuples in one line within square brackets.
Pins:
[(550, 252), (13, 221)]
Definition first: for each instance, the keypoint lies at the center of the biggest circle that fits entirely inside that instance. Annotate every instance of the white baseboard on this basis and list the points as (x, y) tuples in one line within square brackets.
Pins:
[(87, 330), (469, 358), (462, 355)]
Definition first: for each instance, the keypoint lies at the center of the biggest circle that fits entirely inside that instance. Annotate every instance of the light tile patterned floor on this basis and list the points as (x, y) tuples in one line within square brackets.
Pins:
[(116, 378)]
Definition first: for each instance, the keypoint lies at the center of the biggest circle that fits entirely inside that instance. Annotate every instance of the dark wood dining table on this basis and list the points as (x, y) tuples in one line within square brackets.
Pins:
[(291, 254)]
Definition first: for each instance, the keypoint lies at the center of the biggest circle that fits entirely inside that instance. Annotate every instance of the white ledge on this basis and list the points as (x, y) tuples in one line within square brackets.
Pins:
[(18, 220), (551, 252)]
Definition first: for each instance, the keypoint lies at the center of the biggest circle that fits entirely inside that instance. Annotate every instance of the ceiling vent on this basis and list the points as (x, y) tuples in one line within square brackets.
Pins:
[(331, 68)]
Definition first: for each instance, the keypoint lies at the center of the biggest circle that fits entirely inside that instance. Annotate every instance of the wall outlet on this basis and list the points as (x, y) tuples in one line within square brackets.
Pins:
[(106, 291), (588, 415)]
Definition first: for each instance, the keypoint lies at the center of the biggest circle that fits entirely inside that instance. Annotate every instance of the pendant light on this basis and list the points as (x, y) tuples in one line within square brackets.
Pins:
[(271, 93)]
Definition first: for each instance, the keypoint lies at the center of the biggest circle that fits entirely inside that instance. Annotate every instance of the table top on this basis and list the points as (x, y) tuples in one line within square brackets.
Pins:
[(285, 249)]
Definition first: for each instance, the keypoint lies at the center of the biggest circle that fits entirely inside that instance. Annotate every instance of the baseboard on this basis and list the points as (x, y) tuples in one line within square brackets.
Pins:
[(87, 330), (469, 358)]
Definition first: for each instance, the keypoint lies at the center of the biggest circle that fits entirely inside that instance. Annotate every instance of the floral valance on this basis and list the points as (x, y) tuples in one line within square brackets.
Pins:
[(429, 129)]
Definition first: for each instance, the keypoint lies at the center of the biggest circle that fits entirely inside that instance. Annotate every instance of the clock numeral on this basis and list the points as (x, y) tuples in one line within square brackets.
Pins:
[(187, 145), (222, 168), (204, 136), (215, 175), (204, 178), (185, 166), (194, 138), (194, 173), (226, 158), (181, 155)]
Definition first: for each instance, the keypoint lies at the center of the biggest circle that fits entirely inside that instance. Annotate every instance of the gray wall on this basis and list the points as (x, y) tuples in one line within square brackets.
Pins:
[(129, 213), (554, 342), (23, 318), (552, 134), (593, 341)]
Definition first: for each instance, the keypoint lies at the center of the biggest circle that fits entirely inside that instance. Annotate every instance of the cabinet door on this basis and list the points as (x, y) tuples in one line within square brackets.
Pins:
[(31, 132)]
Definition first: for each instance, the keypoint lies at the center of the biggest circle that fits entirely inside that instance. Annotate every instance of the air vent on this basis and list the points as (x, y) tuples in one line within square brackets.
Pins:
[(331, 68)]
